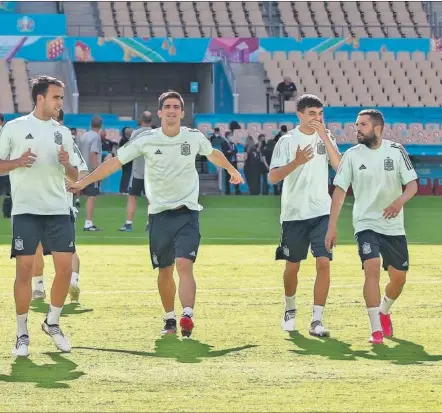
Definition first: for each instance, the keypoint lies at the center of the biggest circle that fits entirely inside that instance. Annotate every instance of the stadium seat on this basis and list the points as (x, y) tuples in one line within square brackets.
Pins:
[(438, 186), (6, 99), (246, 19), (20, 77), (425, 186)]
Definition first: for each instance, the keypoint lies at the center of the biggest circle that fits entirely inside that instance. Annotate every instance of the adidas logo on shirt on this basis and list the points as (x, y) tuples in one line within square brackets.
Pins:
[(158, 152), (29, 137), (362, 167)]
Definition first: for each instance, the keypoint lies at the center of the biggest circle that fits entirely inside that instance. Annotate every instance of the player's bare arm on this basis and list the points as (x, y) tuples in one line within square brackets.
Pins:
[(218, 158), (70, 171), (302, 157), (25, 161), (104, 170), (333, 153), (395, 207), (332, 232)]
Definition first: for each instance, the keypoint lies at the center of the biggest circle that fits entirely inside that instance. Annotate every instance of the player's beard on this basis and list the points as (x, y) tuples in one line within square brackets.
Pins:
[(368, 140)]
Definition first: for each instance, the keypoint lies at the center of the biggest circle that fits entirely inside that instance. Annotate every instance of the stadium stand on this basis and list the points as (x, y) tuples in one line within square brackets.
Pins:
[(406, 19), (358, 79), (347, 78)]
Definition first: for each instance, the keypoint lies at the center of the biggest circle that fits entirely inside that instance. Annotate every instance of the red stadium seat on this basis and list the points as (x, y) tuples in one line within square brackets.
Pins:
[(438, 186), (424, 186)]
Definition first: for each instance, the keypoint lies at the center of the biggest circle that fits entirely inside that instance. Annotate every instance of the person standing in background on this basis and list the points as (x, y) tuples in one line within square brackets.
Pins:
[(91, 149), (127, 168)]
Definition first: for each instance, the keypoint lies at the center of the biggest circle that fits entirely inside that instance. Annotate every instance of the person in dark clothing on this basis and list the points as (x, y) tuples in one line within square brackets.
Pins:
[(264, 165), (234, 125), (286, 91), (127, 168), (252, 166), (268, 152), (216, 139), (281, 132), (230, 150)]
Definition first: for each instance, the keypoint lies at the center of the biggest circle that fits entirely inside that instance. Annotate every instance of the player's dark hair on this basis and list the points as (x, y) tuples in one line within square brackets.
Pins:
[(40, 85), (308, 101), (376, 117), (284, 128), (60, 115), (171, 94)]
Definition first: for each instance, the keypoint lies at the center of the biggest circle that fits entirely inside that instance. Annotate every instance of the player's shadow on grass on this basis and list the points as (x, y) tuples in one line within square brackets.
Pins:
[(40, 306), (46, 376), (404, 353), (183, 351), (327, 347)]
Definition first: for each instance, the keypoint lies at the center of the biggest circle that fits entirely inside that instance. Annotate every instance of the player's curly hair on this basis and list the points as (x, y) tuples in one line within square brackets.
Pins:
[(40, 85), (308, 101)]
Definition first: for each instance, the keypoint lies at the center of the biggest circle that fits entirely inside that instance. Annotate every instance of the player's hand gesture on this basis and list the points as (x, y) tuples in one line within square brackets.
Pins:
[(63, 156), (75, 186), (319, 127), (27, 159), (304, 155), (392, 211), (331, 239), (236, 177)]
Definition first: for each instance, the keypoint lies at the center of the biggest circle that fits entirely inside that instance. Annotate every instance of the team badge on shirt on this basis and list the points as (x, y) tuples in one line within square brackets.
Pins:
[(58, 138), (388, 164), (320, 148), (185, 149)]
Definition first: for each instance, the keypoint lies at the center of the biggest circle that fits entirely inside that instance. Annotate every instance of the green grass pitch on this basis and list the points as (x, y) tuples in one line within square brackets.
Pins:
[(238, 359)]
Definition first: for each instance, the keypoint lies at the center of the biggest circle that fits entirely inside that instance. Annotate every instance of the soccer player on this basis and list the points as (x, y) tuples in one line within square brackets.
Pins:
[(376, 168), (136, 188), (301, 158), (172, 189), (37, 152), (38, 290)]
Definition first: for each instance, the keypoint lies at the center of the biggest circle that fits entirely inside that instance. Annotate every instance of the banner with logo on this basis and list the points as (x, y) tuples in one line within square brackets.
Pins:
[(186, 50), (32, 24)]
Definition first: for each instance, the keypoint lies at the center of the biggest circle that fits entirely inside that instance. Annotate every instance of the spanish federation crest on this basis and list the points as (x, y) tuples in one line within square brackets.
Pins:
[(185, 149), (388, 164), (58, 138), (18, 244), (366, 248), (320, 148)]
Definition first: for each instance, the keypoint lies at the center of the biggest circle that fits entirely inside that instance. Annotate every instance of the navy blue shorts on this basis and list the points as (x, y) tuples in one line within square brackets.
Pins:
[(298, 236), (173, 234), (55, 232), (393, 248)]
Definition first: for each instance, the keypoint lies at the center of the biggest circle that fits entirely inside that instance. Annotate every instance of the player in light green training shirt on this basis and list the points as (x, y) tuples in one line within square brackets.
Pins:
[(38, 153), (172, 188), (301, 158), (376, 168)]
